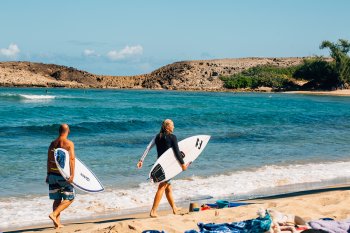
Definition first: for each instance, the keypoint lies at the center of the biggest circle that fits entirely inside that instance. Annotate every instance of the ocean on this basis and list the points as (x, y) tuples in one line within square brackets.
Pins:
[(261, 144)]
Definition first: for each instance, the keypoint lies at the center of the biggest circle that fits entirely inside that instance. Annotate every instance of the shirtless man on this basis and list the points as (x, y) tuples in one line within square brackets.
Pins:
[(60, 190)]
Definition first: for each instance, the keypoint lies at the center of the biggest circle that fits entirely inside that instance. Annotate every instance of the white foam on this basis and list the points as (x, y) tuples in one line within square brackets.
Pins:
[(29, 210), (37, 97), (27, 97), (267, 177), (8, 95)]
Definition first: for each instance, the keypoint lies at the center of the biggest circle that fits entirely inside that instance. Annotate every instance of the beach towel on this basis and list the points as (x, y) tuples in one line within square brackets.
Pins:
[(230, 204), (331, 226), (257, 225)]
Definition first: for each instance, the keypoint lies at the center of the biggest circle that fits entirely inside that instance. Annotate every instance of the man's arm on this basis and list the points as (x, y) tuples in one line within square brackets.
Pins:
[(71, 162), (48, 164)]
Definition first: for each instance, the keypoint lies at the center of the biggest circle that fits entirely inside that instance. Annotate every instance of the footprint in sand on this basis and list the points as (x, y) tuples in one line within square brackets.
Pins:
[(272, 204)]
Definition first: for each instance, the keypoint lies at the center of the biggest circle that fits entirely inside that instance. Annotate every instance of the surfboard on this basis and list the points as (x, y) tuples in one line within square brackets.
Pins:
[(167, 166), (84, 178)]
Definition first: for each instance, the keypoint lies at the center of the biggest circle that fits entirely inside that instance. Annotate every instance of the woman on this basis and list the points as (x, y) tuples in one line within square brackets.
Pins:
[(164, 140)]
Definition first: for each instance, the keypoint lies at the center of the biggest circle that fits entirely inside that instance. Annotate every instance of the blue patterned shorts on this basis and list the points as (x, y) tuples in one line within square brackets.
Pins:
[(59, 188)]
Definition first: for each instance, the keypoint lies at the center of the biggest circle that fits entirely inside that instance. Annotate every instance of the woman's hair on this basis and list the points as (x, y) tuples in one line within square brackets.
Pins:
[(165, 126)]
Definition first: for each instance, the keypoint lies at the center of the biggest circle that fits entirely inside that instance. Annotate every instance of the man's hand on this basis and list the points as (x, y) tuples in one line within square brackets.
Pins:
[(139, 164), (184, 167), (70, 180)]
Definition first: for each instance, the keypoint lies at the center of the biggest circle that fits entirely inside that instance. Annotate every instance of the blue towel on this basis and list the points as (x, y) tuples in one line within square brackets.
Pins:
[(231, 204), (257, 225)]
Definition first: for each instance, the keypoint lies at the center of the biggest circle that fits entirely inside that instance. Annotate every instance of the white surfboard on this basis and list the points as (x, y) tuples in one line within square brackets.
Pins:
[(84, 178), (167, 166)]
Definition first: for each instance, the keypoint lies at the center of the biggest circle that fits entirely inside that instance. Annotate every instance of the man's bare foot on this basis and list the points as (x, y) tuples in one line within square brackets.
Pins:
[(176, 210), (153, 214), (59, 226), (54, 219)]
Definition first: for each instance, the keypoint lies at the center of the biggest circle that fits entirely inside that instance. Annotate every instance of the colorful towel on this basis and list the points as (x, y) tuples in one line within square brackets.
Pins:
[(231, 204), (257, 225)]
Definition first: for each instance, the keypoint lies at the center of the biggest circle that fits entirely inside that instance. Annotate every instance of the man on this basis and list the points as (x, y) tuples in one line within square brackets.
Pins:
[(60, 190)]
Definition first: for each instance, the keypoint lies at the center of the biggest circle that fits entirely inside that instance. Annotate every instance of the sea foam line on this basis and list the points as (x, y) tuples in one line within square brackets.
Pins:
[(37, 97), (27, 97)]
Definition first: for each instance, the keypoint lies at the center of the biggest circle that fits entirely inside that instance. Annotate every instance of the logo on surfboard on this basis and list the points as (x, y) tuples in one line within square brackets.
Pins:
[(199, 144)]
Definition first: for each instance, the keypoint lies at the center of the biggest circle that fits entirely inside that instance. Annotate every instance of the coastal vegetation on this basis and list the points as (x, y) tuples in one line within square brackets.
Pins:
[(313, 73), (262, 76)]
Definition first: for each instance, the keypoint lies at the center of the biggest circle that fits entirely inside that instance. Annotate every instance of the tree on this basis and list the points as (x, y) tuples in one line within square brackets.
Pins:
[(319, 73), (339, 52)]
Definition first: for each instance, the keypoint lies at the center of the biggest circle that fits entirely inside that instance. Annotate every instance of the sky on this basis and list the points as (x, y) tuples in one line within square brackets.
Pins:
[(130, 37)]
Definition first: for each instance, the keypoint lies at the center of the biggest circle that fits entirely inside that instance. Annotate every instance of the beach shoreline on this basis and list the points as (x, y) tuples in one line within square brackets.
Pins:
[(345, 92), (331, 202)]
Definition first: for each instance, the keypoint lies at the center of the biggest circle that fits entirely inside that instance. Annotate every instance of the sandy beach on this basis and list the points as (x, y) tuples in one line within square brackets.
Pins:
[(309, 205), (345, 92)]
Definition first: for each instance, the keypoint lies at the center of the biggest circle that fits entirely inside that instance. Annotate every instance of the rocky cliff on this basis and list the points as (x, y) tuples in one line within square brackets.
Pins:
[(185, 75)]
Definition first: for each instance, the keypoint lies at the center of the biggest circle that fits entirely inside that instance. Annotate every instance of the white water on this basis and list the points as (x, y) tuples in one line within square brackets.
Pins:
[(37, 97)]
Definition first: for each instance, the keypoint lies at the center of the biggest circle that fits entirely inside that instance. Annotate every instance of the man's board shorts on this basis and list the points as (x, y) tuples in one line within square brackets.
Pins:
[(59, 188)]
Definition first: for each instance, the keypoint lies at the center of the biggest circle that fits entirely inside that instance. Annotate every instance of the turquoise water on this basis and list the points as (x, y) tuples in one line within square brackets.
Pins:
[(254, 135)]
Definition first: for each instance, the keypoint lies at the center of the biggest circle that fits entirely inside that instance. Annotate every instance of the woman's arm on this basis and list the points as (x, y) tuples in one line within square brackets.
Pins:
[(145, 153), (176, 149)]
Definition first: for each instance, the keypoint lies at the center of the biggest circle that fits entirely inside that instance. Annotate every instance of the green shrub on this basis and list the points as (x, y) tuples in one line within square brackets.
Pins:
[(269, 70), (239, 81), (260, 76)]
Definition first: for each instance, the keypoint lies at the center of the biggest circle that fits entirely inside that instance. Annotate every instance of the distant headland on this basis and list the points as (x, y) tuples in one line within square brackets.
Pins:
[(205, 75), (240, 74)]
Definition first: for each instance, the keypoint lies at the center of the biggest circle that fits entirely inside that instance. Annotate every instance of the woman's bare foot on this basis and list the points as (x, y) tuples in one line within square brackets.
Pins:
[(176, 210), (153, 214)]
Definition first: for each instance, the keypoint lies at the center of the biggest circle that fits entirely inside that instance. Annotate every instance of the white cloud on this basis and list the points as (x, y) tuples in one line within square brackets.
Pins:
[(127, 52), (11, 51), (89, 53)]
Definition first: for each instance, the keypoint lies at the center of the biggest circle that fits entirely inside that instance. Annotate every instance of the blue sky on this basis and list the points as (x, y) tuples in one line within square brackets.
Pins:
[(137, 36)]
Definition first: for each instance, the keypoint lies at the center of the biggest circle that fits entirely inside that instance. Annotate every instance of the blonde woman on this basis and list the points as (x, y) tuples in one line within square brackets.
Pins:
[(164, 140)]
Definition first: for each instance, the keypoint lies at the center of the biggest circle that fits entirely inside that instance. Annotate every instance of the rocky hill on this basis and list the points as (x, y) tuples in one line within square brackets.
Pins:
[(185, 75)]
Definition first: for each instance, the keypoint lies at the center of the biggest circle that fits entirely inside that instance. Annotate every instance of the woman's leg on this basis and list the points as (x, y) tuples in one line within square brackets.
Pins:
[(169, 196), (157, 199)]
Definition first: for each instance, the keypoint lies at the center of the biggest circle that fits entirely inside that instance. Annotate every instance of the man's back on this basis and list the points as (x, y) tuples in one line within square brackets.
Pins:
[(60, 142)]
